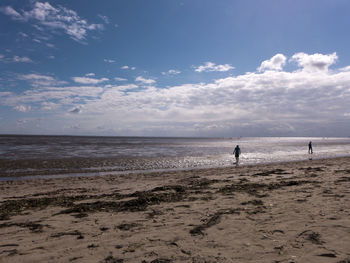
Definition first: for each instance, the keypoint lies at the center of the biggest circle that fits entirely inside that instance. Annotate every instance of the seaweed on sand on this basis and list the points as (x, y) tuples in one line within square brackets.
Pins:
[(254, 188), (312, 169), (312, 236), (32, 226), (213, 220), (275, 171), (13, 207), (70, 233), (253, 202), (158, 260), (157, 195), (173, 193), (198, 230), (111, 259), (127, 226), (140, 203), (343, 180)]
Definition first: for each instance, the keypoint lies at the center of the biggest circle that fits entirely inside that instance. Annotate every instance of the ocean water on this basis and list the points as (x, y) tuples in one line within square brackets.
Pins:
[(155, 153)]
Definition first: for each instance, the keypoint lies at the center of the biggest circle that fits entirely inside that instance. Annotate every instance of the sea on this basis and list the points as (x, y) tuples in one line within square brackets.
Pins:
[(161, 153)]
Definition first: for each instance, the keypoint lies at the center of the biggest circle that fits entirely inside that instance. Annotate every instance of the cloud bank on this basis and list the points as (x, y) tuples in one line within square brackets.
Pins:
[(310, 101)]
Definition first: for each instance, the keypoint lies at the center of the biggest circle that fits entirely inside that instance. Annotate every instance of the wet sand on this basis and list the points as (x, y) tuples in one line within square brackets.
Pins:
[(285, 212)]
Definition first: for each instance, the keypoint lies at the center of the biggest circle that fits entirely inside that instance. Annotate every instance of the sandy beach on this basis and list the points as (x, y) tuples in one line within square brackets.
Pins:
[(283, 212)]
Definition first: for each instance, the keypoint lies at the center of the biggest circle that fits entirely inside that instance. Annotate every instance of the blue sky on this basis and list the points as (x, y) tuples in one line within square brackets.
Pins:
[(175, 68)]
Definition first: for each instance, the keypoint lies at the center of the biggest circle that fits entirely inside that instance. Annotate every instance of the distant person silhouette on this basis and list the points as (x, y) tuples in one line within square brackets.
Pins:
[(310, 148), (237, 152)]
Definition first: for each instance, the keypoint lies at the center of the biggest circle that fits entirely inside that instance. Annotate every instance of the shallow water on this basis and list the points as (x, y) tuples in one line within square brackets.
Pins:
[(141, 154)]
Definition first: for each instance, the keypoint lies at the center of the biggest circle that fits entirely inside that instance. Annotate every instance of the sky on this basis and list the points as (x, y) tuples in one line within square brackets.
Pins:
[(205, 68)]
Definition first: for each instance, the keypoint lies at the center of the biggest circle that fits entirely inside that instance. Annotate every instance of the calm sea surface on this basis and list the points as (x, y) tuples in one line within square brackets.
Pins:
[(171, 153)]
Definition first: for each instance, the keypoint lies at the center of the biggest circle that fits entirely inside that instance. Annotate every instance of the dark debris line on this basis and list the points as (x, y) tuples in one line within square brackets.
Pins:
[(141, 199)]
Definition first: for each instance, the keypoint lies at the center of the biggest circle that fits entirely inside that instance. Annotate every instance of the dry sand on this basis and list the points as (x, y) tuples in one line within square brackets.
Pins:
[(286, 212)]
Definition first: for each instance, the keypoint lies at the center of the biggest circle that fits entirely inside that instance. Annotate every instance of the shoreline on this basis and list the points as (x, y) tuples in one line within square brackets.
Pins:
[(285, 212), (22, 174)]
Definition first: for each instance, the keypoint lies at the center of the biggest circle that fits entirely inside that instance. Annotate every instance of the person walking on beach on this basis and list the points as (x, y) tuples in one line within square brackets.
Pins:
[(237, 152), (310, 148)]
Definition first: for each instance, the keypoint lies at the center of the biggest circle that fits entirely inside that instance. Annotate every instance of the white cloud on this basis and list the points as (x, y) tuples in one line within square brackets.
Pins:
[(109, 60), (56, 18), (22, 121), (49, 106), (22, 59), (127, 87), (95, 27), (22, 108), (174, 72), (171, 72), (86, 80), (58, 95), (15, 59), (127, 67), (210, 66), (345, 68), (314, 62), (23, 34), (145, 81), (104, 18), (76, 110), (8, 10), (5, 94), (275, 63), (36, 77), (120, 79), (267, 103), (90, 74), (37, 80)]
